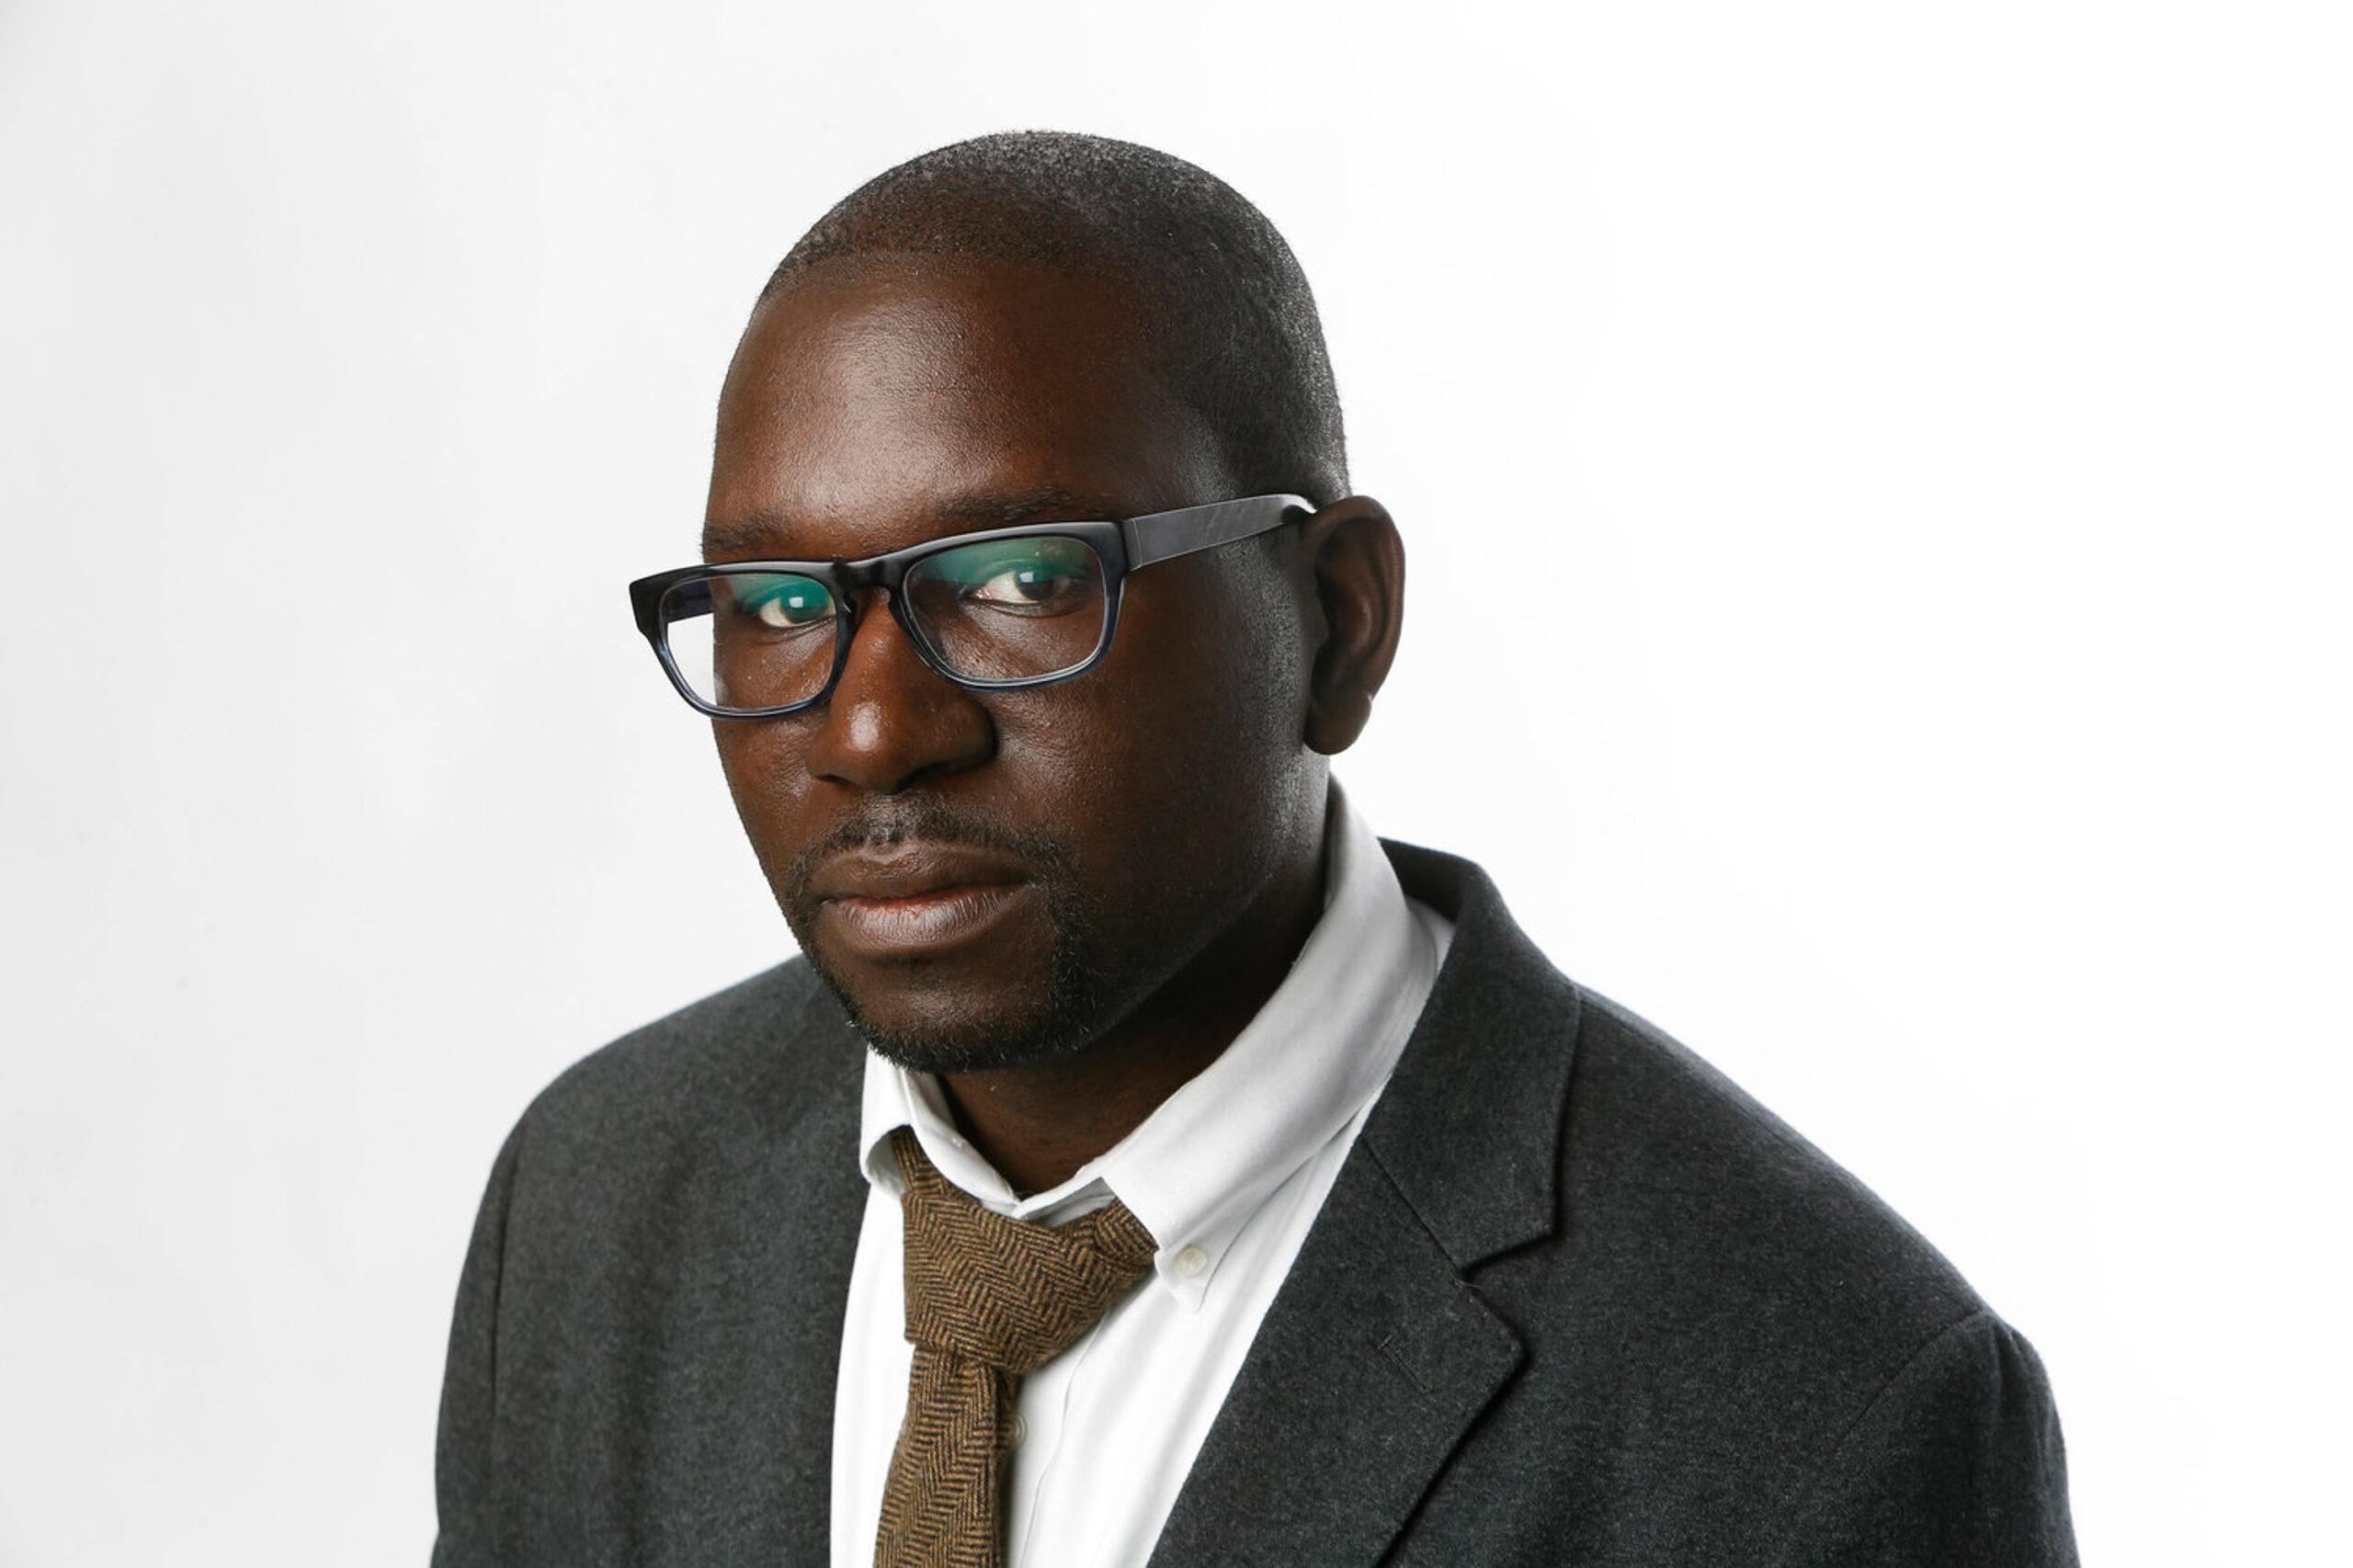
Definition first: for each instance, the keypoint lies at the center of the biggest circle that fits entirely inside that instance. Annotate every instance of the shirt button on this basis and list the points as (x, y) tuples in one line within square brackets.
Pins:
[(1016, 1431), (1191, 1262)]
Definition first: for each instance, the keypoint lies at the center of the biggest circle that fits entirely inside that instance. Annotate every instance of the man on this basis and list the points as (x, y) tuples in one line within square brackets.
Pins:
[(1143, 1162)]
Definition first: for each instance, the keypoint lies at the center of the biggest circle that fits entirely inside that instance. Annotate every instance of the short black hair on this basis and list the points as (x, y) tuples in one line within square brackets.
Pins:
[(1234, 328)]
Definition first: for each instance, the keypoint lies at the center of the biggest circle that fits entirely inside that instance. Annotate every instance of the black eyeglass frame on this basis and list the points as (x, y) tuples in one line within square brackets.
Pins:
[(1126, 545)]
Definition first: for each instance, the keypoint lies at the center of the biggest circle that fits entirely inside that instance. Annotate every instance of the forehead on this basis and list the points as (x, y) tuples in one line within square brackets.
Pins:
[(880, 402)]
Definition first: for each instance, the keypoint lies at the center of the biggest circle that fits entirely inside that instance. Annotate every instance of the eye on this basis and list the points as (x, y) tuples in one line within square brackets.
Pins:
[(1027, 578), (1028, 583), (784, 604)]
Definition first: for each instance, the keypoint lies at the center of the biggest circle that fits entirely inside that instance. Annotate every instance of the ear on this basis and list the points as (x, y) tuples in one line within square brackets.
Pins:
[(1357, 567)]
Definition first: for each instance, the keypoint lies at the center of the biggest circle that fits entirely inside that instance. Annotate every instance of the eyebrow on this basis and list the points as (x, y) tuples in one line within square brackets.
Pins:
[(757, 535)]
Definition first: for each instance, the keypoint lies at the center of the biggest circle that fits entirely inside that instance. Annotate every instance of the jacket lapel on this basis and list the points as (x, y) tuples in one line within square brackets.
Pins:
[(1376, 1355), (1372, 1361)]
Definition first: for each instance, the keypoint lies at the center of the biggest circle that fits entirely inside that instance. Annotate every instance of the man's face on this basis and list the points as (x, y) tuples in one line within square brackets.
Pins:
[(993, 879)]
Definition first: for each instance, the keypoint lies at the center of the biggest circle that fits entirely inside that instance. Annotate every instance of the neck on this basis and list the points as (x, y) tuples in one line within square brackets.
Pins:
[(1039, 1125)]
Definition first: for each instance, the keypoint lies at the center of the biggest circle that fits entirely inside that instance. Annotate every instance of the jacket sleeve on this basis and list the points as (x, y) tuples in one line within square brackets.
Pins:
[(464, 1476), (1957, 1461)]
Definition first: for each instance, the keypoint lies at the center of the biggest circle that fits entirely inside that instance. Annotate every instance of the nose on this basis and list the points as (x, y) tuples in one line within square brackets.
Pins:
[(893, 720)]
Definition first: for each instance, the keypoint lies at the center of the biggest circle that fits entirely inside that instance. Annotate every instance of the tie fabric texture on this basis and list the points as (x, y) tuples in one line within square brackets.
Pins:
[(989, 1300)]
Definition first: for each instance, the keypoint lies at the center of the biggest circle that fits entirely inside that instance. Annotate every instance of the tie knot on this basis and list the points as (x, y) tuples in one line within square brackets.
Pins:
[(1005, 1292)]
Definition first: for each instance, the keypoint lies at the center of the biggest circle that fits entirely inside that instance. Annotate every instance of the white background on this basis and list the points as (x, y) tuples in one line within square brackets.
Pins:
[(1877, 485)]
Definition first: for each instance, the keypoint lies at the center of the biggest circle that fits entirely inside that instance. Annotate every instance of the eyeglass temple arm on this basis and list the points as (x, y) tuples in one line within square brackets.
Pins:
[(1158, 535)]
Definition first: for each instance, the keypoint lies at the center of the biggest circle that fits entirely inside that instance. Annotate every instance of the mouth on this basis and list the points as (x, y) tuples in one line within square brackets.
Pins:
[(918, 899), (920, 925)]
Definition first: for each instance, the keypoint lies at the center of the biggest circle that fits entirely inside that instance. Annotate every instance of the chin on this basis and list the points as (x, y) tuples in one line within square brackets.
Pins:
[(1027, 997), (947, 1026), (966, 1041)]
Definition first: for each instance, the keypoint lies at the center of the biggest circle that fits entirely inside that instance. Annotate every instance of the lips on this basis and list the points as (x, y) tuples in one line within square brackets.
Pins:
[(917, 899)]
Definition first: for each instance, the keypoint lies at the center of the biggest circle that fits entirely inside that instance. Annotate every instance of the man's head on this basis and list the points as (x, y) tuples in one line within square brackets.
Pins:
[(1224, 318), (1036, 328)]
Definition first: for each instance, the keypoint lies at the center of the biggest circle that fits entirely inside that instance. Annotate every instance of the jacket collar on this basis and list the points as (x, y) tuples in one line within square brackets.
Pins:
[(1470, 1127), (1376, 1359)]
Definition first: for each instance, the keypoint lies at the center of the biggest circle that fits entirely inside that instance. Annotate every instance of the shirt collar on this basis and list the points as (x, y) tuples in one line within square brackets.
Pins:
[(1202, 1163)]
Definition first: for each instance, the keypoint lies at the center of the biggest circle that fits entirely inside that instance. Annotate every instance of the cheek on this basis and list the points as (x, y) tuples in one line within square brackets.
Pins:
[(767, 776), (1218, 659), (1186, 741)]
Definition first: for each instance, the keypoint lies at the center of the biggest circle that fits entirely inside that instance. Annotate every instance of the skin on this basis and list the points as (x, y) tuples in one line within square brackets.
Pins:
[(1160, 817)]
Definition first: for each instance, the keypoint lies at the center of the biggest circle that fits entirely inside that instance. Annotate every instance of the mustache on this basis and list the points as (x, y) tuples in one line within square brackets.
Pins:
[(879, 823)]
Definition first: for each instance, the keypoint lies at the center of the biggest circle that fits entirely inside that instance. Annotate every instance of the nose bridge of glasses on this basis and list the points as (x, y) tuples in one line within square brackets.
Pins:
[(875, 572), (865, 593), (877, 581)]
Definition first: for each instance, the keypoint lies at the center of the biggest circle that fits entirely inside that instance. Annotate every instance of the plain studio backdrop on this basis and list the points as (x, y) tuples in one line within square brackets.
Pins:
[(1876, 483)]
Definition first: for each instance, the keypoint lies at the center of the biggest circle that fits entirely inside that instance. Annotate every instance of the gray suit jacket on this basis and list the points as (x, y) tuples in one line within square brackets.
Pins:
[(1575, 1299)]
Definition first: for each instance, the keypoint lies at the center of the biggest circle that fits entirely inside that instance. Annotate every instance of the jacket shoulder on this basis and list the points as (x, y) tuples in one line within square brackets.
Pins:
[(1666, 1158), (1534, 1122), (755, 1055), (653, 1296), (1721, 1325)]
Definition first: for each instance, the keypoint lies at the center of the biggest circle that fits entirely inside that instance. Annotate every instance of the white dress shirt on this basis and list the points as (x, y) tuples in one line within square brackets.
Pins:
[(1227, 1173)]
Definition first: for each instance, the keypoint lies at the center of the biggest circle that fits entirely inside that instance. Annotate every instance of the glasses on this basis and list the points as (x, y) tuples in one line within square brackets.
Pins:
[(992, 611)]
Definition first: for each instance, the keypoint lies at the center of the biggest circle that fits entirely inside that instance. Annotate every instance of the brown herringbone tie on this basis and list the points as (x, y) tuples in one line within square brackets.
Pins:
[(988, 1301)]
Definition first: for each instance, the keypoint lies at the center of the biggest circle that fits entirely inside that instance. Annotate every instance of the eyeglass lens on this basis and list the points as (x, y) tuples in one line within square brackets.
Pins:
[(997, 611)]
